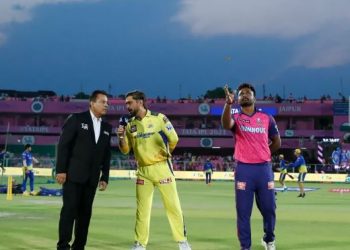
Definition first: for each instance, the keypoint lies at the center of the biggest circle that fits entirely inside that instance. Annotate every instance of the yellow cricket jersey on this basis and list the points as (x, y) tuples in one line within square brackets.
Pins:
[(152, 139)]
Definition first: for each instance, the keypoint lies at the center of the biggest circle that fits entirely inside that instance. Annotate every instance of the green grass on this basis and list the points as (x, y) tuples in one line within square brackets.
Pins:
[(319, 221)]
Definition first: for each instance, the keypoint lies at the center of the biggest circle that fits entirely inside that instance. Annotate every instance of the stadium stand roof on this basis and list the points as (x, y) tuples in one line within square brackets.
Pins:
[(28, 94)]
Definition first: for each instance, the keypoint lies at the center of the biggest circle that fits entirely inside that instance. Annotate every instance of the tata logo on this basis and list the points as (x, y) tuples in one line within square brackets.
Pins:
[(204, 108), (243, 120)]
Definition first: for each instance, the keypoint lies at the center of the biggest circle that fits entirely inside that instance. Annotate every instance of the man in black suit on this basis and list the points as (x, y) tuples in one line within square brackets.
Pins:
[(83, 153)]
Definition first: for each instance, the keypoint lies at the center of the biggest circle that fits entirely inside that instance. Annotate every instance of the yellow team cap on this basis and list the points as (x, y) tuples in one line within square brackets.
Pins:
[(297, 150)]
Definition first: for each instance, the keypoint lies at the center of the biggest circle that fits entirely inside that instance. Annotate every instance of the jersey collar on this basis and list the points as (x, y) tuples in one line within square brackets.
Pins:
[(148, 113), (240, 112)]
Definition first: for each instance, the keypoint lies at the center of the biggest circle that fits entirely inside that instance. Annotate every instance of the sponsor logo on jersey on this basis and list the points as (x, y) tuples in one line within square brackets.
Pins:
[(243, 120), (144, 135), (241, 185), (252, 129), (166, 181), (140, 182), (169, 127)]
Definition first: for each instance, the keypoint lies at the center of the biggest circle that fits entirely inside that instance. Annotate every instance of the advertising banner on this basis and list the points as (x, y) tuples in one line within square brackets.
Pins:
[(192, 175)]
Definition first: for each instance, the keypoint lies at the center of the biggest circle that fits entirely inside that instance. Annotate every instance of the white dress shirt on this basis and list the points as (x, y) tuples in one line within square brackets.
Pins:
[(97, 125)]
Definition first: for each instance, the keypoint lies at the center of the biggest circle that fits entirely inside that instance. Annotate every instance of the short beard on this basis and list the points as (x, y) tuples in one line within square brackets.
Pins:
[(132, 113), (246, 104)]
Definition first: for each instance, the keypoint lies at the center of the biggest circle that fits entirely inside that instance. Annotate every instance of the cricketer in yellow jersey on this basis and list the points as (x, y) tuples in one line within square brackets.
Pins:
[(152, 138)]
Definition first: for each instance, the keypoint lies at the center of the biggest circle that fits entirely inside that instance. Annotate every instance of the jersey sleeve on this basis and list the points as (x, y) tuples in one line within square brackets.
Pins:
[(169, 131), (65, 143), (299, 161), (273, 129)]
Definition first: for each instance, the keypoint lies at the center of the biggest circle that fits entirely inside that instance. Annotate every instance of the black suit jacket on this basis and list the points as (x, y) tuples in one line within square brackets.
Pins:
[(79, 155)]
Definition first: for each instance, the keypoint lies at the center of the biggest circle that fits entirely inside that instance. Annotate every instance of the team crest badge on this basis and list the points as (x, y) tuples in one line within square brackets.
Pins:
[(84, 126), (133, 128)]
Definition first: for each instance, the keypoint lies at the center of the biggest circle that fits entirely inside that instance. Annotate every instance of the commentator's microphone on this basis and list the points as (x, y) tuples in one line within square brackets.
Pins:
[(123, 121)]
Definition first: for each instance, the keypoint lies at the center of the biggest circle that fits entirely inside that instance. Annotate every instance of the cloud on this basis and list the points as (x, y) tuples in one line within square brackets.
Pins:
[(319, 28), (2, 38), (19, 11)]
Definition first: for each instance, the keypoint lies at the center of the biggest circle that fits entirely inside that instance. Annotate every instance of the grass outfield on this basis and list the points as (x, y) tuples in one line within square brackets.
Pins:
[(319, 221)]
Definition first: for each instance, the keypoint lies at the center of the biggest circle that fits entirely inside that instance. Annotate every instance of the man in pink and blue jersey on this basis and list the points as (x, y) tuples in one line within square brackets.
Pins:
[(256, 137)]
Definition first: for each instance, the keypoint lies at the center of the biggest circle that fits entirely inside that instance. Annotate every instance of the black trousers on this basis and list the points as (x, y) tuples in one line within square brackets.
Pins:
[(76, 210), (207, 177)]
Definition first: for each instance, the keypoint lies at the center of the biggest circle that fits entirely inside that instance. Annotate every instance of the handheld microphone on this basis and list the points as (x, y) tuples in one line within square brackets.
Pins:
[(123, 121)]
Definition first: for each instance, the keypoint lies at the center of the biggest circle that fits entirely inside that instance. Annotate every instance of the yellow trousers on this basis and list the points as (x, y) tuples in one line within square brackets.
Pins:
[(148, 178)]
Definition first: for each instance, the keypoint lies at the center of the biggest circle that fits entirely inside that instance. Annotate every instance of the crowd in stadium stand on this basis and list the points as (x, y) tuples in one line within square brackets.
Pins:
[(191, 162), (186, 161), (52, 96)]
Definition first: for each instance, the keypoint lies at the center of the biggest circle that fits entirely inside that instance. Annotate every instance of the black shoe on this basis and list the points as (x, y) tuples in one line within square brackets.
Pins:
[(303, 195), (300, 195)]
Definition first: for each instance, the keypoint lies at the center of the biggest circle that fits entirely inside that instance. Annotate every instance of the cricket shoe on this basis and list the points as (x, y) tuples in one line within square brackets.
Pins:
[(184, 245), (268, 245), (138, 246)]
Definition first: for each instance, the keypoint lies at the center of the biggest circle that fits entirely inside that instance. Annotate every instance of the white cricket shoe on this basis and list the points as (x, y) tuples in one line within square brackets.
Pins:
[(138, 246), (269, 245), (184, 245)]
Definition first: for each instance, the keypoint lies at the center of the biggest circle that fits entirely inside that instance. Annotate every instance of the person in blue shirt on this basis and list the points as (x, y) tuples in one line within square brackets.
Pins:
[(28, 171), (300, 165), (283, 172), (208, 170), (2, 159), (336, 158)]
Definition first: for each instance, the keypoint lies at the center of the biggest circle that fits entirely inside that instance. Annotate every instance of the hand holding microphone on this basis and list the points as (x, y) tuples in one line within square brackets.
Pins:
[(123, 121)]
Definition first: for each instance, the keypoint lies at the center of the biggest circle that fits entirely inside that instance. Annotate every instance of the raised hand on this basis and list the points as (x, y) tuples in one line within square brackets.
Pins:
[(230, 98)]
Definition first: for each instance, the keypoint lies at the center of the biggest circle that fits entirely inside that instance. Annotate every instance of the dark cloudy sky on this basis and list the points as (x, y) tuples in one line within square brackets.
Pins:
[(176, 48)]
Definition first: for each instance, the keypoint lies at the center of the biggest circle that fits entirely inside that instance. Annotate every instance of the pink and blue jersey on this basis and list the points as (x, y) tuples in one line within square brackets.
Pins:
[(252, 134)]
